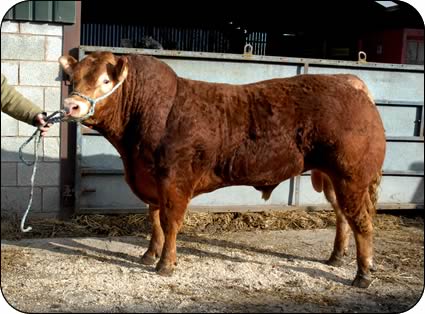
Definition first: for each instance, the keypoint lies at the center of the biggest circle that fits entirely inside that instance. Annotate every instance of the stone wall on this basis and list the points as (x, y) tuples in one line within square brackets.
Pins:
[(29, 54)]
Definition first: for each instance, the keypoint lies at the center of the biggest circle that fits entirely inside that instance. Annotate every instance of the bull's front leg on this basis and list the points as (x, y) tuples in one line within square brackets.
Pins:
[(173, 204), (157, 239)]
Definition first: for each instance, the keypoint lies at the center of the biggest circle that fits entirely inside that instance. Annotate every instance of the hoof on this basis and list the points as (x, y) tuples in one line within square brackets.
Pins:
[(148, 259), (164, 269), (335, 261), (362, 281)]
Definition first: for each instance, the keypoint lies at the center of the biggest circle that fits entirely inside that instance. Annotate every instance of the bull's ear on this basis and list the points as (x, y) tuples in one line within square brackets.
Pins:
[(68, 63), (121, 68)]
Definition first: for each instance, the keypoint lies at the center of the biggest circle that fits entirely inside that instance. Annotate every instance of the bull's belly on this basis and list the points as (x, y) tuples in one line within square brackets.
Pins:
[(263, 179), (260, 170), (243, 168)]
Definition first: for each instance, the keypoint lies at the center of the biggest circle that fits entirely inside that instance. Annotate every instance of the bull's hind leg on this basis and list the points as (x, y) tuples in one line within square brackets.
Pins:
[(157, 240), (356, 206), (342, 238), (342, 235), (321, 182)]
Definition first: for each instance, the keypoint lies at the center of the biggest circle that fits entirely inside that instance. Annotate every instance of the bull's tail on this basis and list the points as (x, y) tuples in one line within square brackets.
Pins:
[(373, 192)]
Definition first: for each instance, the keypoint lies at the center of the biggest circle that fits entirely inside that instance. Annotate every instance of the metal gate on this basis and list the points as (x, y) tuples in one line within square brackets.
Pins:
[(398, 91)]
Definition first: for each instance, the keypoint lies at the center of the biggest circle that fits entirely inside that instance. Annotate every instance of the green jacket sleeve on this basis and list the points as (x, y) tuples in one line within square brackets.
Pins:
[(16, 105)]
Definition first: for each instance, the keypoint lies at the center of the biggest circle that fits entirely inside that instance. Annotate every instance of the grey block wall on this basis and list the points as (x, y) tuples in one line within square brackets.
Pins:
[(29, 57)]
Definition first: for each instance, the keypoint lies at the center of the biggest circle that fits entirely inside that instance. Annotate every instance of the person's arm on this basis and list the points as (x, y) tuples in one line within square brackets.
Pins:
[(17, 106)]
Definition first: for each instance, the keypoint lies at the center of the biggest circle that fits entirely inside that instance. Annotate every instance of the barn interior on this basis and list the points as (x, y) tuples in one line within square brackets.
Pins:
[(388, 31)]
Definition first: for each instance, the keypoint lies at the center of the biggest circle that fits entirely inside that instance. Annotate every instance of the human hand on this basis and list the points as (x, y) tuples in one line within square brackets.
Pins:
[(41, 124)]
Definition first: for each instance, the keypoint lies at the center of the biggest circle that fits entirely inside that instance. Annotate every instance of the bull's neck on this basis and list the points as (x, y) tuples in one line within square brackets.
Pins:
[(137, 112)]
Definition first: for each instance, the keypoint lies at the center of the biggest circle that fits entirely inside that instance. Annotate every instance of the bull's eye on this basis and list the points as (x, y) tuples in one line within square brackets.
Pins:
[(105, 81)]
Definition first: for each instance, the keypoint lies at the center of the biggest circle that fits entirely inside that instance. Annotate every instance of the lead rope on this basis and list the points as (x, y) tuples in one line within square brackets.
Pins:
[(51, 119)]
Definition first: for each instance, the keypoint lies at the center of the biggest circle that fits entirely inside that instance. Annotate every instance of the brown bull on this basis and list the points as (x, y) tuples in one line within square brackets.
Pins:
[(179, 138)]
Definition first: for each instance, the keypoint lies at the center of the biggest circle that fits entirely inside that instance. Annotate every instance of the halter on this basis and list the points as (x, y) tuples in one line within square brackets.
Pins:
[(94, 101)]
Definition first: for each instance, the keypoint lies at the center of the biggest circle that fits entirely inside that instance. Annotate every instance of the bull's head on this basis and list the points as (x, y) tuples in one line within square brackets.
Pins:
[(94, 78)]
